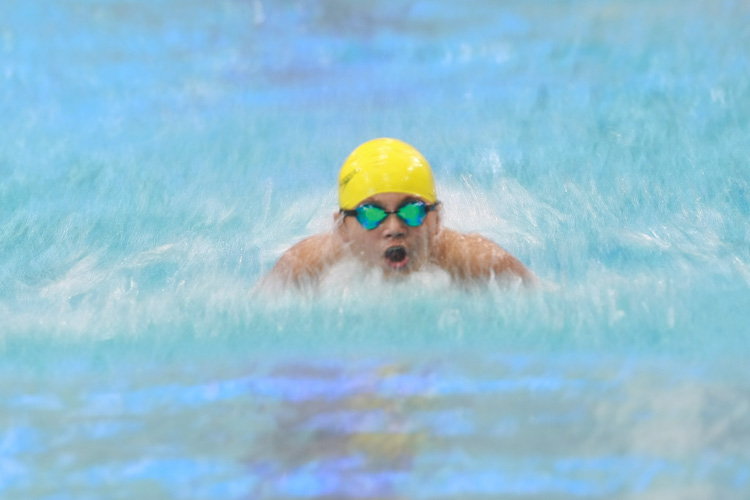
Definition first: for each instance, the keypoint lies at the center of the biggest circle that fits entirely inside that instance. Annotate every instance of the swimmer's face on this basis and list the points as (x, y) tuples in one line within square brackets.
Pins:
[(393, 246)]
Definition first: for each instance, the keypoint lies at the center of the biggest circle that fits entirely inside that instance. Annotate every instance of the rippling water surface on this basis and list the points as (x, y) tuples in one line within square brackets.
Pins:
[(156, 158)]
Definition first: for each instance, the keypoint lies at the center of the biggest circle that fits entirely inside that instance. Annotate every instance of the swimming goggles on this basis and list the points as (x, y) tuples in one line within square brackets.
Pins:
[(371, 216)]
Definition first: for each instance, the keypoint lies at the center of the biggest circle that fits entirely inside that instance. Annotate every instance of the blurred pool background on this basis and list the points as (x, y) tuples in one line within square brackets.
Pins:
[(156, 158)]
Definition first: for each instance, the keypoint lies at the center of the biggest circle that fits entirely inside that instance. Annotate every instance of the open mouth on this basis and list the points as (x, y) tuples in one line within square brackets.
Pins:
[(396, 257)]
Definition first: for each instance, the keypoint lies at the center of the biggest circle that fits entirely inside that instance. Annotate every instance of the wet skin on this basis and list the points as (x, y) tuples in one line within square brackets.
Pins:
[(399, 249), (393, 246)]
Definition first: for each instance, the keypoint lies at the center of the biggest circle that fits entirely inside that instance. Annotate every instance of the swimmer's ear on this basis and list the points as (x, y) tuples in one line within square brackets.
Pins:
[(438, 217), (340, 227)]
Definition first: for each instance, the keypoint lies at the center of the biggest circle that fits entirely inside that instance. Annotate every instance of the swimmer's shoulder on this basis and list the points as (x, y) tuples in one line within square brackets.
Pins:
[(472, 256), (308, 258)]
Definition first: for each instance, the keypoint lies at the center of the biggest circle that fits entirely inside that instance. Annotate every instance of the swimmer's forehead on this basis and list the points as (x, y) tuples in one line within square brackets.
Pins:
[(391, 198)]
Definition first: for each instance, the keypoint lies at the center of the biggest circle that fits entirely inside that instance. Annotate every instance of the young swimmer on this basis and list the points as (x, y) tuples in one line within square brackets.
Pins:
[(389, 218)]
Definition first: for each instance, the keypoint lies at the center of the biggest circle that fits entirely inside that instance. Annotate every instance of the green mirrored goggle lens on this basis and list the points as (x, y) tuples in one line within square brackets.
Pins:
[(370, 216), (412, 213)]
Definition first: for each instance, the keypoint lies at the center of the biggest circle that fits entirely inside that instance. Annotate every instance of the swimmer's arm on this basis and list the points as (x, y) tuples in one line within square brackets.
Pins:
[(470, 257), (305, 261)]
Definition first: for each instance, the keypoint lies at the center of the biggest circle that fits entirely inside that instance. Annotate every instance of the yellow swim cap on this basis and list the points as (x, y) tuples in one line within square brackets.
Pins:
[(384, 166)]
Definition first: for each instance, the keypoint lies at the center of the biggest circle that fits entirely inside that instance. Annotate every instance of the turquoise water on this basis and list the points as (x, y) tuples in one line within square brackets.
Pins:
[(156, 158)]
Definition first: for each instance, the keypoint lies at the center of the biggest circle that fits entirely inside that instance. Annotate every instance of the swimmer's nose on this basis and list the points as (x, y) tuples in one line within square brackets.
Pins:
[(393, 227)]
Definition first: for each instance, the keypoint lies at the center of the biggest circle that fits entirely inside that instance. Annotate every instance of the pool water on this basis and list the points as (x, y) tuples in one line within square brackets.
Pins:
[(156, 159)]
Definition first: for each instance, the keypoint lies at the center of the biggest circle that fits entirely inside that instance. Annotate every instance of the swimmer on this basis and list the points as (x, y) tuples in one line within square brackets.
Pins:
[(389, 219)]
